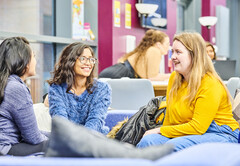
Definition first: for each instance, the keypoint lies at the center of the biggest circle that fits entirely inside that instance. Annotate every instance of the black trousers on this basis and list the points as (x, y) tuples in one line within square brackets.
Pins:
[(118, 70), (24, 149)]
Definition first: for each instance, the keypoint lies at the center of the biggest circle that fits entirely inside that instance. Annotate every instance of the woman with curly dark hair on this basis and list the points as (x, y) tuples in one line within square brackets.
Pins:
[(74, 93), (144, 60)]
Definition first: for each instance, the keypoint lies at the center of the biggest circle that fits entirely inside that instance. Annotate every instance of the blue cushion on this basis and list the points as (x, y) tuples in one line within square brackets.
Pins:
[(214, 154), (239, 138), (51, 161), (115, 116)]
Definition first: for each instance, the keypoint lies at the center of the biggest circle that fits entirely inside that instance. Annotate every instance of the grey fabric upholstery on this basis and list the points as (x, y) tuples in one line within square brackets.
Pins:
[(232, 84), (130, 94), (71, 140)]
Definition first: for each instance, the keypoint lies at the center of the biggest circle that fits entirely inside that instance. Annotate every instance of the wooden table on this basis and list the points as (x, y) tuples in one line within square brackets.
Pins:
[(160, 87)]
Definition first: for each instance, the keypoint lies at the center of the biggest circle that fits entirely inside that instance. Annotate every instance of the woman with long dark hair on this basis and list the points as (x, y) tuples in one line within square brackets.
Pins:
[(74, 94), (19, 133)]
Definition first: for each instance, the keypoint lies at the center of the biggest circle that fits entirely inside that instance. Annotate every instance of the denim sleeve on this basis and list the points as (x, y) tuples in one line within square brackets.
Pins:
[(98, 110)]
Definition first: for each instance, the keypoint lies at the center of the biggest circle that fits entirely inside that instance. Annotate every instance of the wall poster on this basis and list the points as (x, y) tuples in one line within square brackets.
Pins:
[(77, 19), (117, 16), (128, 17)]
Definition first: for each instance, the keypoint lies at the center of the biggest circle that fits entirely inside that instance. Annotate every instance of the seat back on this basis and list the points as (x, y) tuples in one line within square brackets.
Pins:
[(130, 94), (232, 84)]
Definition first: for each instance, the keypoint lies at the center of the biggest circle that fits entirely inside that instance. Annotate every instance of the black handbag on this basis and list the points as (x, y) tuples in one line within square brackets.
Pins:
[(145, 119)]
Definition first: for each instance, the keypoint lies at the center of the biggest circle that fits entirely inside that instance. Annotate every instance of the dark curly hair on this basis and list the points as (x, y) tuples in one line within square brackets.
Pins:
[(15, 55), (64, 68)]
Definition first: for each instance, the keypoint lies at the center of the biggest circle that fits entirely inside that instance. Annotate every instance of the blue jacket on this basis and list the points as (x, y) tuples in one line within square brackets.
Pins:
[(86, 109)]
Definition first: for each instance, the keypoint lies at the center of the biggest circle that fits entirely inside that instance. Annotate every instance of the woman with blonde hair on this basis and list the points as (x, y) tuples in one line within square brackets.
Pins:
[(199, 106), (144, 60)]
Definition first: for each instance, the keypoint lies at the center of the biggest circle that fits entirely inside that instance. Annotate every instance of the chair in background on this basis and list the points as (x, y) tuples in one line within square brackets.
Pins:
[(232, 84), (130, 94)]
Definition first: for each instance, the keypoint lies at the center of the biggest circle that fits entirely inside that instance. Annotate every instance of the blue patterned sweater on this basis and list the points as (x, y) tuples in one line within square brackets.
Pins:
[(86, 109)]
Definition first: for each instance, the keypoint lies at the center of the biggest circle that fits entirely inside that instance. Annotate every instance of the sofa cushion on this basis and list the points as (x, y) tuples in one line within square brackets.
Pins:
[(236, 106), (43, 117), (115, 116), (211, 154), (63, 161), (70, 140)]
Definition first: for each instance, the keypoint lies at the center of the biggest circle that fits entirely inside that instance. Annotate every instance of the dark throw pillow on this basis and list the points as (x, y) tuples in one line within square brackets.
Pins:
[(71, 140)]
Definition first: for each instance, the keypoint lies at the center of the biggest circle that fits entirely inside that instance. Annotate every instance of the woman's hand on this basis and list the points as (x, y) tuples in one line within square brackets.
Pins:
[(152, 131)]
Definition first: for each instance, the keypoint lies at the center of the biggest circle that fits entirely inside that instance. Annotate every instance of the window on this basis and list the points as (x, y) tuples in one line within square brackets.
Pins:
[(47, 26), (36, 18)]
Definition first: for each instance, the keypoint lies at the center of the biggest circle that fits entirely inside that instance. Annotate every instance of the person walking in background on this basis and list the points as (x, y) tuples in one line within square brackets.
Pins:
[(19, 133), (74, 94), (211, 51), (199, 106), (144, 60)]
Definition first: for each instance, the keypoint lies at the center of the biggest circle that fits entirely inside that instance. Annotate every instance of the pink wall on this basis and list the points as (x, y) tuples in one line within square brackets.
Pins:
[(209, 9), (112, 40), (105, 46), (171, 18), (119, 33)]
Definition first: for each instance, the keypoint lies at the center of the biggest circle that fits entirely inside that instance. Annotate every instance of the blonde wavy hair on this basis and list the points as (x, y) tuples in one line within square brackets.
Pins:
[(150, 38), (201, 65)]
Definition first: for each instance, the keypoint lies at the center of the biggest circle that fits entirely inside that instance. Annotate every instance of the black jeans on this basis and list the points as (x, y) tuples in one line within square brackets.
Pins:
[(118, 70), (24, 149)]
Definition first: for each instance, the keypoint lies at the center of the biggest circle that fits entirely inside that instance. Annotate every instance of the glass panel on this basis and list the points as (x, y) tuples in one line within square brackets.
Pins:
[(32, 17), (180, 18), (45, 63), (26, 16)]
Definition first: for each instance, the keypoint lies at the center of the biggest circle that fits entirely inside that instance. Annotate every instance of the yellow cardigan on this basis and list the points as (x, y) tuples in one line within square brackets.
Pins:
[(211, 103)]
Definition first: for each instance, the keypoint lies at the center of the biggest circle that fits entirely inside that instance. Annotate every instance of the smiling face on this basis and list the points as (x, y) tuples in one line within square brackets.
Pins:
[(181, 59), (210, 52), (84, 68)]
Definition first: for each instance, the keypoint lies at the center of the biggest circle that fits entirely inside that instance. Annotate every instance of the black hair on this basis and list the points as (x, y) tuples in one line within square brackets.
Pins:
[(64, 69), (15, 55)]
